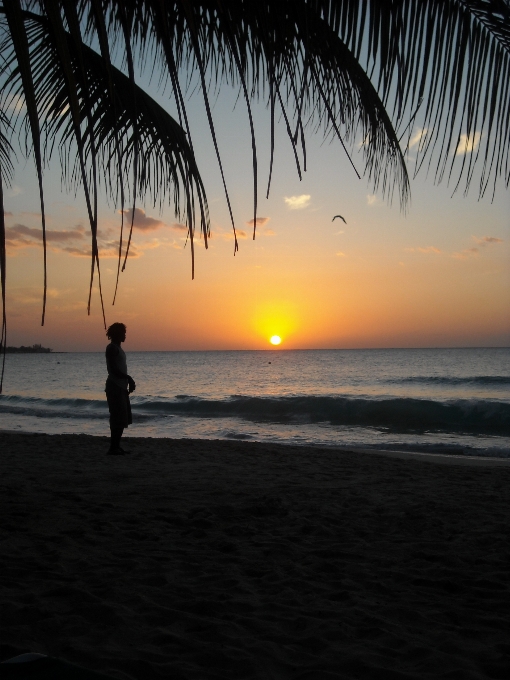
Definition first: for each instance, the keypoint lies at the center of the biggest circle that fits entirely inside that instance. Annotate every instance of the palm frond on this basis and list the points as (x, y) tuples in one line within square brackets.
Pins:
[(14, 15), (6, 170), (285, 49), (135, 130), (452, 55)]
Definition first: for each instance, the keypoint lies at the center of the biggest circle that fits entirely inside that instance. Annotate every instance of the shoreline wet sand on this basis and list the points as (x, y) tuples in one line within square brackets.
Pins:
[(226, 559)]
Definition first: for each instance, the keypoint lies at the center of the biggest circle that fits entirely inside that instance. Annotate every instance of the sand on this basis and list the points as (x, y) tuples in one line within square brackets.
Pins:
[(198, 559)]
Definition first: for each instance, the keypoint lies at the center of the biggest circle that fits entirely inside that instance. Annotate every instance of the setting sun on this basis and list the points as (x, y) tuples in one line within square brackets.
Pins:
[(275, 340)]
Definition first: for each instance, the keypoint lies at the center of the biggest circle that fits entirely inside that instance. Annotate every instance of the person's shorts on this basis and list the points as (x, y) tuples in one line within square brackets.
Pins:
[(119, 406)]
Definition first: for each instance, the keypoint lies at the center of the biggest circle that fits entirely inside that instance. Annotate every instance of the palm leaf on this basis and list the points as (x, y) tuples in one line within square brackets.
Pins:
[(15, 21), (59, 39), (455, 56), (6, 170), (136, 128)]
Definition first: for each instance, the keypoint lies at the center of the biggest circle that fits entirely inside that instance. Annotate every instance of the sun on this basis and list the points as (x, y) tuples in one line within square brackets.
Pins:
[(275, 340)]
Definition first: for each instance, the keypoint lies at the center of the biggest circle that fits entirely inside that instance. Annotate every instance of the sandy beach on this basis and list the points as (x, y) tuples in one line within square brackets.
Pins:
[(196, 559)]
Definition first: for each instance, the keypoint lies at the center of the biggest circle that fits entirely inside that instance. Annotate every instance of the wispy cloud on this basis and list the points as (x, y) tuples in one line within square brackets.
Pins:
[(15, 190), (141, 221), (229, 235), (261, 230), (468, 143), (297, 202), (219, 234), (78, 252), (365, 142), (108, 250), (467, 252), (481, 242), (16, 103), (486, 240), (72, 241), (371, 199), (429, 250), (62, 300), (19, 236), (144, 223), (261, 221), (340, 254), (417, 137)]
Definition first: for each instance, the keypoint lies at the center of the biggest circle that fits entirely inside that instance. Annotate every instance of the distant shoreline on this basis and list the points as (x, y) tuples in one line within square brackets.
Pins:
[(34, 349), (29, 350)]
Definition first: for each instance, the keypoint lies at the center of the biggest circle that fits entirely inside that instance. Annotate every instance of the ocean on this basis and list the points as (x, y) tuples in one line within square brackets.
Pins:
[(435, 400)]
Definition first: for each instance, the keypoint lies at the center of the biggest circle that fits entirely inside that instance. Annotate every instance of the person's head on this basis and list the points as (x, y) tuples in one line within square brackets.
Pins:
[(116, 332)]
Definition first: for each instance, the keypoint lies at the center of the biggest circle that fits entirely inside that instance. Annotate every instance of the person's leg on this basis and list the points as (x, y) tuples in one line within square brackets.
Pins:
[(116, 408), (116, 434)]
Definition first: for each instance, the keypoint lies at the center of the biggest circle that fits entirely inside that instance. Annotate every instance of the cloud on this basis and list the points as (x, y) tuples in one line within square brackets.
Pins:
[(78, 252), (340, 254), (30, 296), (371, 199), (485, 240), (108, 251), (467, 252), (69, 241), (228, 235), (16, 103), (33, 295), (25, 296), (417, 137), (261, 221), (467, 144), (429, 250), (297, 202), (482, 242), (76, 241), (19, 235), (15, 190), (141, 221)]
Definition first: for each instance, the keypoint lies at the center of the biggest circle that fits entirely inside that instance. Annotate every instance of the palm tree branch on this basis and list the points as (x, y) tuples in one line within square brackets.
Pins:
[(166, 157), (60, 42), (15, 20)]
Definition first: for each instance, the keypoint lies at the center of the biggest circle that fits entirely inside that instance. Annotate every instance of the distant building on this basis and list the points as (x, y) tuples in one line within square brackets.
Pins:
[(34, 349)]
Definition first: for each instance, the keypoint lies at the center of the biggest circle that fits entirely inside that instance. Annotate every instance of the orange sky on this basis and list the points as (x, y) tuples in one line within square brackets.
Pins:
[(436, 277)]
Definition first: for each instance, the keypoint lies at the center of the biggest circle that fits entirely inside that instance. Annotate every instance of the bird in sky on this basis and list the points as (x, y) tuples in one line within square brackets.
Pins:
[(340, 216)]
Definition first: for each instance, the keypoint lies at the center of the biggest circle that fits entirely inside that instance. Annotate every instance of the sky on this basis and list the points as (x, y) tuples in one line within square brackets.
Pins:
[(437, 276)]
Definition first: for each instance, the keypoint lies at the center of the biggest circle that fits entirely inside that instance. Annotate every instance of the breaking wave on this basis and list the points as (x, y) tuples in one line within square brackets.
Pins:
[(487, 417), (478, 380)]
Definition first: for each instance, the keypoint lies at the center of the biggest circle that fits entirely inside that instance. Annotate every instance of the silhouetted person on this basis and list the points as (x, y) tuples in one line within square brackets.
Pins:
[(119, 386)]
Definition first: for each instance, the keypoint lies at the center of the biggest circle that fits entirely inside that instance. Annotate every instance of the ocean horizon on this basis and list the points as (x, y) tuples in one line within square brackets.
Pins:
[(442, 400)]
